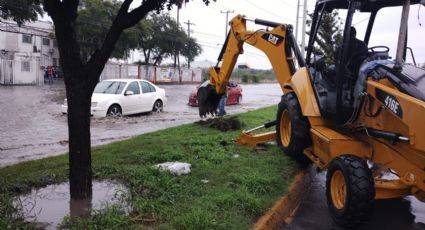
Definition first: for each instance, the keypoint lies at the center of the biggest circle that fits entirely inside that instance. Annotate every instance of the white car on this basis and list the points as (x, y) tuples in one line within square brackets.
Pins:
[(124, 97)]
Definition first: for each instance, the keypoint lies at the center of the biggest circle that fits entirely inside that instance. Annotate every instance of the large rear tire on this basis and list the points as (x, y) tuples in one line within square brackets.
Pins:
[(293, 129), (350, 191)]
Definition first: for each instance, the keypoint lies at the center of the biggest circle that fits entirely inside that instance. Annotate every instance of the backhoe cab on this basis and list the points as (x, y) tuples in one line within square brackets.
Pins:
[(360, 118)]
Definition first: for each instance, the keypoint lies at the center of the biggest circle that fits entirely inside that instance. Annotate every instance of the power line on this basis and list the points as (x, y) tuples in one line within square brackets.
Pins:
[(364, 19), (286, 3), (269, 12)]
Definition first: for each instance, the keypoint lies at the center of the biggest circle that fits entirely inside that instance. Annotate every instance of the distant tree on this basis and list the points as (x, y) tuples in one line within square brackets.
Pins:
[(329, 36), (20, 10), (190, 50), (423, 65), (95, 17), (161, 38)]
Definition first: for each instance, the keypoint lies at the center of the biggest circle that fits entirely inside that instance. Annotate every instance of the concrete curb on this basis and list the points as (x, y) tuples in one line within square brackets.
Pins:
[(284, 209)]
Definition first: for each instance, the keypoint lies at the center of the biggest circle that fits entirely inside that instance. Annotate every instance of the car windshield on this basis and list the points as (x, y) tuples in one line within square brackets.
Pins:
[(110, 87)]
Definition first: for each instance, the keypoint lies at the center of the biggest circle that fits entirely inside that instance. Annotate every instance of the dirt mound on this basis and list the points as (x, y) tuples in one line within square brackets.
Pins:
[(222, 123)]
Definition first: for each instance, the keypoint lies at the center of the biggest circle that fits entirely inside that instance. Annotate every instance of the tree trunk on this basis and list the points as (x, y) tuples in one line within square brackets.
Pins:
[(80, 173), (80, 79)]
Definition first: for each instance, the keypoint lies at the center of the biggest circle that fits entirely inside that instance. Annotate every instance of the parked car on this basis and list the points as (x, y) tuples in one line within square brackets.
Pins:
[(234, 95), (118, 97)]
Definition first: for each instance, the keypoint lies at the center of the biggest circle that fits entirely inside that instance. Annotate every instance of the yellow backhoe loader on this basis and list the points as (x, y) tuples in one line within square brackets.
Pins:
[(355, 118)]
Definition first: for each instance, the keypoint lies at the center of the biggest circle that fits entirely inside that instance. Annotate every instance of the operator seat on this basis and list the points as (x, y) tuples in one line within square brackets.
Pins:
[(357, 53)]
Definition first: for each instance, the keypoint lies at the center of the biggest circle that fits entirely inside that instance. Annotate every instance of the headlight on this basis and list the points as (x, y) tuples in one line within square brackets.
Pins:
[(94, 104)]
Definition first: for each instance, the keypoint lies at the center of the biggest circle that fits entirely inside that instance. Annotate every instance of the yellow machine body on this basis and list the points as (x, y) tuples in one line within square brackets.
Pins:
[(328, 142)]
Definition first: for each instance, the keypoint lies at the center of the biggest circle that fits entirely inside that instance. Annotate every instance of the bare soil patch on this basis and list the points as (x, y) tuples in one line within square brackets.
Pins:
[(222, 123)]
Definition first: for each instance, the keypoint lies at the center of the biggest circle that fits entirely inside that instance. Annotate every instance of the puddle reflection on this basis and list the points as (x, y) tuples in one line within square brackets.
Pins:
[(49, 205)]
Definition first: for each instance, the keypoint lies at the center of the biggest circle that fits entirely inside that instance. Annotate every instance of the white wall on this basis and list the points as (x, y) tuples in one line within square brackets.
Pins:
[(18, 51)]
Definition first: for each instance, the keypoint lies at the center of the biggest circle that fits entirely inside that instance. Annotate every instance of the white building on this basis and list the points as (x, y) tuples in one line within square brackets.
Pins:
[(25, 51)]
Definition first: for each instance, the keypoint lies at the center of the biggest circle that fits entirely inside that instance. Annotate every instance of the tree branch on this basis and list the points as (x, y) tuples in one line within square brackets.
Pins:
[(123, 21), (140, 12), (53, 8), (64, 15)]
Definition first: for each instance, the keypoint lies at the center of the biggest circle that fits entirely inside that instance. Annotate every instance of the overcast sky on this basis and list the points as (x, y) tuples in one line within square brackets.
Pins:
[(210, 24), (209, 28)]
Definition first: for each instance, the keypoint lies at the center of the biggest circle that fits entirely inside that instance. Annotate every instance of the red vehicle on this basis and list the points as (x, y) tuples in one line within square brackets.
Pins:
[(234, 95)]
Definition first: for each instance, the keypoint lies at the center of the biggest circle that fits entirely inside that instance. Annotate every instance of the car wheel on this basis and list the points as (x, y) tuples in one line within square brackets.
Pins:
[(350, 191), (239, 100), (157, 106), (114, 111)]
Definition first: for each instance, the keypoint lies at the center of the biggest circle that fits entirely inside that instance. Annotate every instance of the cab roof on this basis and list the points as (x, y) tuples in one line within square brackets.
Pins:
[(366, 5)]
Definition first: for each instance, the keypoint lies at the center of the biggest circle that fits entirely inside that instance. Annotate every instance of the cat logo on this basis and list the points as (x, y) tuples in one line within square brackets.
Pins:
[(274, 39)]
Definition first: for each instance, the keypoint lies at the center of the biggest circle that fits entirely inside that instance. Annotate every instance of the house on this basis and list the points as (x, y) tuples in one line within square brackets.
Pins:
[(25, 51)]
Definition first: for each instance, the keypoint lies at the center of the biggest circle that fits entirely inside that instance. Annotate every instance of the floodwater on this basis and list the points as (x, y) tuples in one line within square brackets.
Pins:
[(32, 126), (49, 205), (393, 214)]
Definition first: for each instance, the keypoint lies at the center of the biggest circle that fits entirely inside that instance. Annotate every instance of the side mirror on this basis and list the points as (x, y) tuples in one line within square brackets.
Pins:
[(128, 93)]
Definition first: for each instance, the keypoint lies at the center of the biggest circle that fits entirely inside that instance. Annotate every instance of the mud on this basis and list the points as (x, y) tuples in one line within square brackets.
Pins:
[(48, 206), (33, 127), (222, 123)]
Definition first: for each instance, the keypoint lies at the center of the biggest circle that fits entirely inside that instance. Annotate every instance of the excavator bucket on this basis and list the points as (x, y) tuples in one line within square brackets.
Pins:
[(208, 99)]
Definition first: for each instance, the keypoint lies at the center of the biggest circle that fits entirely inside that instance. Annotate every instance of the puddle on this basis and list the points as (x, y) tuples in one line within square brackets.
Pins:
[(418, 209), (49, 205)]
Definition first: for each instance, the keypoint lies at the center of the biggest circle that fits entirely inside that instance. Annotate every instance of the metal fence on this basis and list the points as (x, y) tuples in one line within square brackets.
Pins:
[(151, 73), (29, 72)]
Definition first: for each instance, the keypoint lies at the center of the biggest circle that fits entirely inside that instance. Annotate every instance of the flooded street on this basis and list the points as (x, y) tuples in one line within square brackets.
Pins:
[(33, 127)]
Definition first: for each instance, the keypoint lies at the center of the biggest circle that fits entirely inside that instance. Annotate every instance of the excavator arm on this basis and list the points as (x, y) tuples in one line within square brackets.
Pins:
[(278, 44)]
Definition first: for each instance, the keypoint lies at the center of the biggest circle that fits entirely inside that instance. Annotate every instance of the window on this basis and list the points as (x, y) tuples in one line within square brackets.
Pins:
[(134, 87), (109, 87), (55, 62), (146, 87), (46, 41), (152, 88), (26, 38), (25, 66)]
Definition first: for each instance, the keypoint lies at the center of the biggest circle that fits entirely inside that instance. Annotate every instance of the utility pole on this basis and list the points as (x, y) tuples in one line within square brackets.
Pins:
[(176, 53), (297, 21), (227, 20), (303, 29), (188, 34)]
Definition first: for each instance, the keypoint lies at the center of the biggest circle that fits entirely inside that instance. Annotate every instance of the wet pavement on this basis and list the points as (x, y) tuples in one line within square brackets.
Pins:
[(393, 214), (33, 127)]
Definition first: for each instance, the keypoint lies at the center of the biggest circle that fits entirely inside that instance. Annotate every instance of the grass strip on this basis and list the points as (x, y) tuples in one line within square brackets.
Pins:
[(242, 182)]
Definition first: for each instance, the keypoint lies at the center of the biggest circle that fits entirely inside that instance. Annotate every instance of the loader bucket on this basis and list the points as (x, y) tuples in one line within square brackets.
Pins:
[(208, 99)]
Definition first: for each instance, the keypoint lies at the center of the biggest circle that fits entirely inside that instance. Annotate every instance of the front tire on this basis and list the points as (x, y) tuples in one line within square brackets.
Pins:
[(293, 129), (114, 111), (157, 106), (350, 191)]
